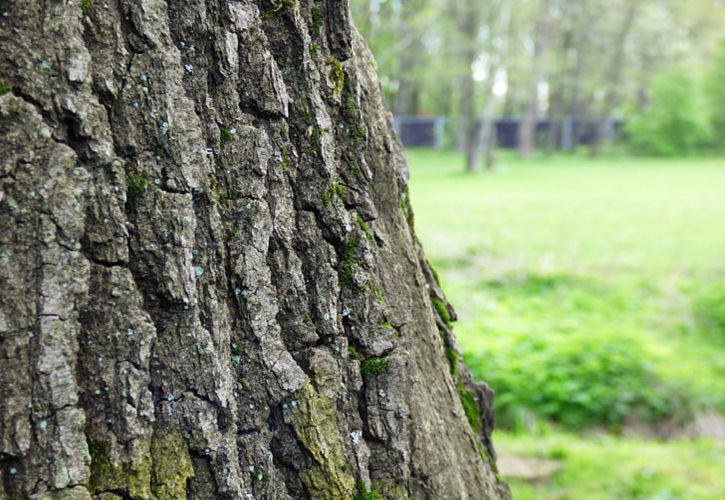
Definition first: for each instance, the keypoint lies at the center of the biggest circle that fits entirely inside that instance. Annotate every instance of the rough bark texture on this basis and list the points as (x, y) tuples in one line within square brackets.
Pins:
[(210, 284)]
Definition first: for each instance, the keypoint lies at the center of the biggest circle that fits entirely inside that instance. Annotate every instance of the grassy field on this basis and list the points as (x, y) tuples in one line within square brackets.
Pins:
[(591, 295)]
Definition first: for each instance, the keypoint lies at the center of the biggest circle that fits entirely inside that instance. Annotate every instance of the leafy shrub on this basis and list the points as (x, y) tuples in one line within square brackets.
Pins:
[(708, 307), (715, 91), (676, 122), (574, 379)]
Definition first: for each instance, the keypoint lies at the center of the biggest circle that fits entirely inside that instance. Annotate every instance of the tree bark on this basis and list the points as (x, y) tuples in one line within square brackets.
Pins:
[(211, 286)]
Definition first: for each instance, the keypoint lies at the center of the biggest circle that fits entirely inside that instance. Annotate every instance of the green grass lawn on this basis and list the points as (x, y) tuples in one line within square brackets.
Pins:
[(591, 294)]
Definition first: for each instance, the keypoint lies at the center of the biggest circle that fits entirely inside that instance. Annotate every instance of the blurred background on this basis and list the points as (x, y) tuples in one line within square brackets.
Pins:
[(568, 175)]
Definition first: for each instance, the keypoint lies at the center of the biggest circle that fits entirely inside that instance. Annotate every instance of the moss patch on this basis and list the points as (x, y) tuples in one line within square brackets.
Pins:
[(316, 24), (171, 465), (136, 184), (353, 352), (363, 493), (225, 135), (4, 89), (160, 470), (442, 311), (349, 261), (365, 228), (470, 407), (373, 367), (106, 475), (334, 190), (336, 75), (452, 356), (277, 6), (315, 422)]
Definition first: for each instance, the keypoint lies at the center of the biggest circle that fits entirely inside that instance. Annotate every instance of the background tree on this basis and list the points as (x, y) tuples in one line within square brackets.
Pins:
[(600, 61), (211, 283)]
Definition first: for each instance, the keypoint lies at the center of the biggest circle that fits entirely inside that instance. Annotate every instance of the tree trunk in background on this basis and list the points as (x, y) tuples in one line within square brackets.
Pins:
[(211, 287), (485, 138), (468, 16), (614, 79), (407, 96), (529, 121)]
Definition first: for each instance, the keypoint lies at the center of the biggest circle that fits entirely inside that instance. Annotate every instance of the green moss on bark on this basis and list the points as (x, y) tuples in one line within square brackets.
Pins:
[(442, 311), (108, 475), (160, 470), (171, 465), (373, 367), (315, 422)]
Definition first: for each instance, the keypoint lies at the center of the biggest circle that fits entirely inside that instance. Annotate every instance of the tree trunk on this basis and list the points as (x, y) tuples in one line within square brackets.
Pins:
[(529, 121), (613, 79), (468, 25), (211, 287), (407, 96)]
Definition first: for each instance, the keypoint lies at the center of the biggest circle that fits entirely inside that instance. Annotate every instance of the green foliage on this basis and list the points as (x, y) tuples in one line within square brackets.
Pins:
[(575, 379), (676, 122), (715, 92), (86, 6), (564, 264), (709, 310), (372, 367), (4, 89), (136, 184)]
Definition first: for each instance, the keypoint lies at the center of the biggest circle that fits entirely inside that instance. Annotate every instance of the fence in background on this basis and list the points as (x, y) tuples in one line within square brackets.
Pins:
[(439, 132)]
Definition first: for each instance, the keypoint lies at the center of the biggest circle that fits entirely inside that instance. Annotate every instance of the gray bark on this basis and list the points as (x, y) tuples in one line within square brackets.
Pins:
[(211, 287)]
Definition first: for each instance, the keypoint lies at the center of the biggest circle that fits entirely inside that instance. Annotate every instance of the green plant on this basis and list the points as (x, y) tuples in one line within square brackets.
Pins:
[(676, 122), (86, 6), (576, 379), (708, 305), (715, 94), (4, 89)]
